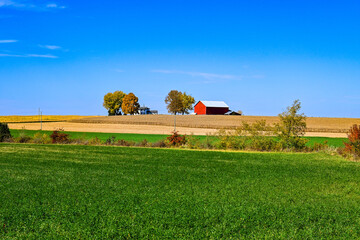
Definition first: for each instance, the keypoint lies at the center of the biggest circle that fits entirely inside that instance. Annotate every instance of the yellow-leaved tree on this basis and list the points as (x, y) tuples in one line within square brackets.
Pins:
[(174, 102), (113, 102), (178, 102), (187, 103), (130, 104)]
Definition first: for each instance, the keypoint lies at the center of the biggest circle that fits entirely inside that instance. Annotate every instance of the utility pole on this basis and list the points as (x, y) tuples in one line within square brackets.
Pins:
[(41, 121), (174, 122)]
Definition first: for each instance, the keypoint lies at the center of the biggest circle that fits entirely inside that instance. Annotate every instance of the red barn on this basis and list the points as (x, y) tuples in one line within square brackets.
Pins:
[(211, 108)]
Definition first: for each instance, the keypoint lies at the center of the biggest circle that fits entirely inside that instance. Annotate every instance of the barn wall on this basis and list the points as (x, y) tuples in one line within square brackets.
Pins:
[(200, 109), (216, 110)]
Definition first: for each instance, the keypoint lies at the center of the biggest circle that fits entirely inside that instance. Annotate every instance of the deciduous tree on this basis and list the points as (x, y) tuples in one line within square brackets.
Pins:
[(4, 132), (113, 102), (130, 104), (187, 103), (174, 102), (292, 127)]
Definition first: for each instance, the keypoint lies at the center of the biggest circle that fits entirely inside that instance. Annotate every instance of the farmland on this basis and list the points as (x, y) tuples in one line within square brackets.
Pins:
[(198, 125), (110, 128), (314, 124), (36, 118), (65, 191)]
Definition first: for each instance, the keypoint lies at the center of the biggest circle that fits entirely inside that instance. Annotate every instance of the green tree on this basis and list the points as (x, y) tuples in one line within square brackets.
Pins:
[(174, 102), (292, 127), (187, 103), (4, 132), (130, 104), (113, 102)]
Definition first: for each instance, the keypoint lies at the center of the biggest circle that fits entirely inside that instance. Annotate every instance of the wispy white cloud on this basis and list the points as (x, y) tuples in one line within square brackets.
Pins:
[(29, 6), (5, 3), (28, 55), (210, 77), (54, 5), (41, 55), (51, 47), (8, 41), (119, 70), (198, 74), (10, 55), (10, 3)]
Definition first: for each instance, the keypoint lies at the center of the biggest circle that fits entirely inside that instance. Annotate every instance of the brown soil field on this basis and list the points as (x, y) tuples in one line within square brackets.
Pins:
[(314, 124), (45, 118), (111, 128), (133, 128)]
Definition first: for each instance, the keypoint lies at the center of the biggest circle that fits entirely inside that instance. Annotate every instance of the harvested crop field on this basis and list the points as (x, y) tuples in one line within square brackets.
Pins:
[(110, 128), (45, 118), (314, 124), (163, 124)]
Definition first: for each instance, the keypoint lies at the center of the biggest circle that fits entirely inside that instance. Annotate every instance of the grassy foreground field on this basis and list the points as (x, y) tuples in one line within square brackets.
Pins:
[(52, 191), (102, 136)]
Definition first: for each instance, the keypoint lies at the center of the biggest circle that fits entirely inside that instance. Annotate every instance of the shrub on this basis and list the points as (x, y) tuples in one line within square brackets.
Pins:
[(207, 144), (23, 138), (80, 141), (41, 138), (229, 140), (95, 141), (291, 128), (193, 142), (125, 143), (159, 144), (263, 144), (176, 140), (353, 146), (320, 146), (4, 132), (258, 136), (59, 137), (143, 143), (110, 140)]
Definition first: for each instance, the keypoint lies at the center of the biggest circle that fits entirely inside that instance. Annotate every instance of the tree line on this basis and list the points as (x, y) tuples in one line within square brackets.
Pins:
[(119, 103)]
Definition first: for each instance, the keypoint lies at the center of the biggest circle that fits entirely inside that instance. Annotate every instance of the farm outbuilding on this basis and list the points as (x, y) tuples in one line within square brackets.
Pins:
[(145, 111), (211, 108)]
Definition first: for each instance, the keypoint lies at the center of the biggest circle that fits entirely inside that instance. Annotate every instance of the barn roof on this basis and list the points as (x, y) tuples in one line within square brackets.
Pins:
[(221, 104)]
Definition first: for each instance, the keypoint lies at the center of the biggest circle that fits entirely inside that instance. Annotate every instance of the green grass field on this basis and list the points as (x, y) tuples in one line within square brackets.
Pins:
[(102, 136), (335, 142), (69, 191)]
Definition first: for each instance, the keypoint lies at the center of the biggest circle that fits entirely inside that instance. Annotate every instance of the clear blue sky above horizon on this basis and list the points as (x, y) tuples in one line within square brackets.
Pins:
[(257, 56)]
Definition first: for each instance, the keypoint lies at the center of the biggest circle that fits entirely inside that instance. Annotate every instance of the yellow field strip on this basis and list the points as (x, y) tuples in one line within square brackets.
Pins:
[(45, 118)]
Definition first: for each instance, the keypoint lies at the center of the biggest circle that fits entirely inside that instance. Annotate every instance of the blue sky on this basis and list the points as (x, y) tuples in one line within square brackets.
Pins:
[(257, 56)]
